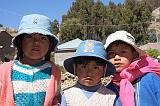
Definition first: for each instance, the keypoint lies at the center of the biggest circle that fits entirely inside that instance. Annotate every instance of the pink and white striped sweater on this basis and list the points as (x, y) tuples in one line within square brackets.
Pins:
[(6, 87)]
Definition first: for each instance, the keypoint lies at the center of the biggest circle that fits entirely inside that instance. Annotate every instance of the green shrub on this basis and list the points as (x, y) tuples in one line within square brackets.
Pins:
[(153, 53)]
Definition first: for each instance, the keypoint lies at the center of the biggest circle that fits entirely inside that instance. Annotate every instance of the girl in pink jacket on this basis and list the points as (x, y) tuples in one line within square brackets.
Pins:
[(31, 79)]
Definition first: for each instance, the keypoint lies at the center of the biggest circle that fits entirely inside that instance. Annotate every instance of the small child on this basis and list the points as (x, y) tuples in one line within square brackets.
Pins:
[(137, 75), (90, 65), (31, 79)]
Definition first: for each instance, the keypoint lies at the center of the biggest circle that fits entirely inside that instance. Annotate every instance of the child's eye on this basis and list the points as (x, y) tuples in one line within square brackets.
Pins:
[(96, 67), (123, 52), (44, 38), (111, 54), (83, 66)]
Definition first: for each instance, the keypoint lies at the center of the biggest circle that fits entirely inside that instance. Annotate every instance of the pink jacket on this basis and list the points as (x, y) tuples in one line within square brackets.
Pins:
[(6, 94)]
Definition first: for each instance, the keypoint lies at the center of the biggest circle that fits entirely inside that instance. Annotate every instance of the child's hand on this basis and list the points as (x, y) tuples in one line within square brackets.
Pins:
[(56, 100), (57, 104)]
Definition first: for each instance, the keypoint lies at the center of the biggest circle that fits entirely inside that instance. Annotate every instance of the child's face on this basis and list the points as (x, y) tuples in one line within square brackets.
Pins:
[(89, 74), (35, 46), (121, 55)]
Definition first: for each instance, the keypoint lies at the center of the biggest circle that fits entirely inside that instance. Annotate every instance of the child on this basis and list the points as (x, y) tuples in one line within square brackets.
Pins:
[(90, 65), (31, 79), (137, 75)]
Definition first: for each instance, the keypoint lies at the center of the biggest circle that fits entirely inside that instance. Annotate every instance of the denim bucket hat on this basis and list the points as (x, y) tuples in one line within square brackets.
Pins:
[(125, 37), (90, 48), (35, 23)]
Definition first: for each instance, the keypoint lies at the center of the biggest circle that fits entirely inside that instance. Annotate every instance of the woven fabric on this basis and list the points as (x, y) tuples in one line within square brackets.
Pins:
[(102, 97), (30, 83)]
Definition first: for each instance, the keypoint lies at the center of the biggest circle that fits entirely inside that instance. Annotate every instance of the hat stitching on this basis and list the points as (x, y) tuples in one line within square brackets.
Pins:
[(35, 21)]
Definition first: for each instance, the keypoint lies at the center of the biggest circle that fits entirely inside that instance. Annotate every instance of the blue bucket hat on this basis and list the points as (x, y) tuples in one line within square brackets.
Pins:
[(35, 23), (90, 48)]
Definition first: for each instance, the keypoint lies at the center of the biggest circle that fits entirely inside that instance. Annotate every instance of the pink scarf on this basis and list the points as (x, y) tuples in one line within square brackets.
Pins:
[(135, 70)]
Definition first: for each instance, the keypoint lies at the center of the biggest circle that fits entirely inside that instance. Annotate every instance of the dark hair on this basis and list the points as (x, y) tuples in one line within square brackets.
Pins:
[(87, 59), (18, 45)]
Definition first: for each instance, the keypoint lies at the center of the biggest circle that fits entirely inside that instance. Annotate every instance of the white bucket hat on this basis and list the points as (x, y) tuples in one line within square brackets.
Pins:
[(35, 23), (125, 37)]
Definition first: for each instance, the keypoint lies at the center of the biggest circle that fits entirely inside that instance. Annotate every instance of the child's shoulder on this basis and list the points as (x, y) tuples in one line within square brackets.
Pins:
[(150, 76), (70, 88), (5, 68), (150, 79), (6, 64), (113, 88)]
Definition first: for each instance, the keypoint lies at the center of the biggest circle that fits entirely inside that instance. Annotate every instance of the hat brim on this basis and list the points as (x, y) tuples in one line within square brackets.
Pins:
[(36, 30), (69, 65)]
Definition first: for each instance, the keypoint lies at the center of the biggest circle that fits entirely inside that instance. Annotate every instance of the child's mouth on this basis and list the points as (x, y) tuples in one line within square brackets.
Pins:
[(117, 65), (35, 49), (88, 79)]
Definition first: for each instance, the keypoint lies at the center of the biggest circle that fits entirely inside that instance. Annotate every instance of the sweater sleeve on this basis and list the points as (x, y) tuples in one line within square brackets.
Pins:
[(150, 90), (1, 77), (57, 74)]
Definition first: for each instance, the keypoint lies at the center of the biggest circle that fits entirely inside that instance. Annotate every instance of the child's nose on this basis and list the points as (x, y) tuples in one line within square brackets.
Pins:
[(89, 71), (117, 56), (36, 40)]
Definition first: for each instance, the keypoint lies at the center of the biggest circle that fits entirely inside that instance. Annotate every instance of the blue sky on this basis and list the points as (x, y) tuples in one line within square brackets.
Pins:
[(11, 11)]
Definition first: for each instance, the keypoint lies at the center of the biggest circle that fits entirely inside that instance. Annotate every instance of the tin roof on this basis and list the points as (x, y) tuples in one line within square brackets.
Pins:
[(70, 45)]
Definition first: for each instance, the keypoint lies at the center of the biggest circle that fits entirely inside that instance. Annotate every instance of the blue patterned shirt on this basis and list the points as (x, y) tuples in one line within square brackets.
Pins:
[(30, 83)]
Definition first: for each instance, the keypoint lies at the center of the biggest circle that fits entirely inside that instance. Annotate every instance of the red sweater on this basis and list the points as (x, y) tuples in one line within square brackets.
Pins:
[(6, 90)]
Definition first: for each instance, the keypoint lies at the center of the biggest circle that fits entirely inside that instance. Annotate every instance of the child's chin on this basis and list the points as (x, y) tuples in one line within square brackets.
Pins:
[(118, 70), (88, 84)]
